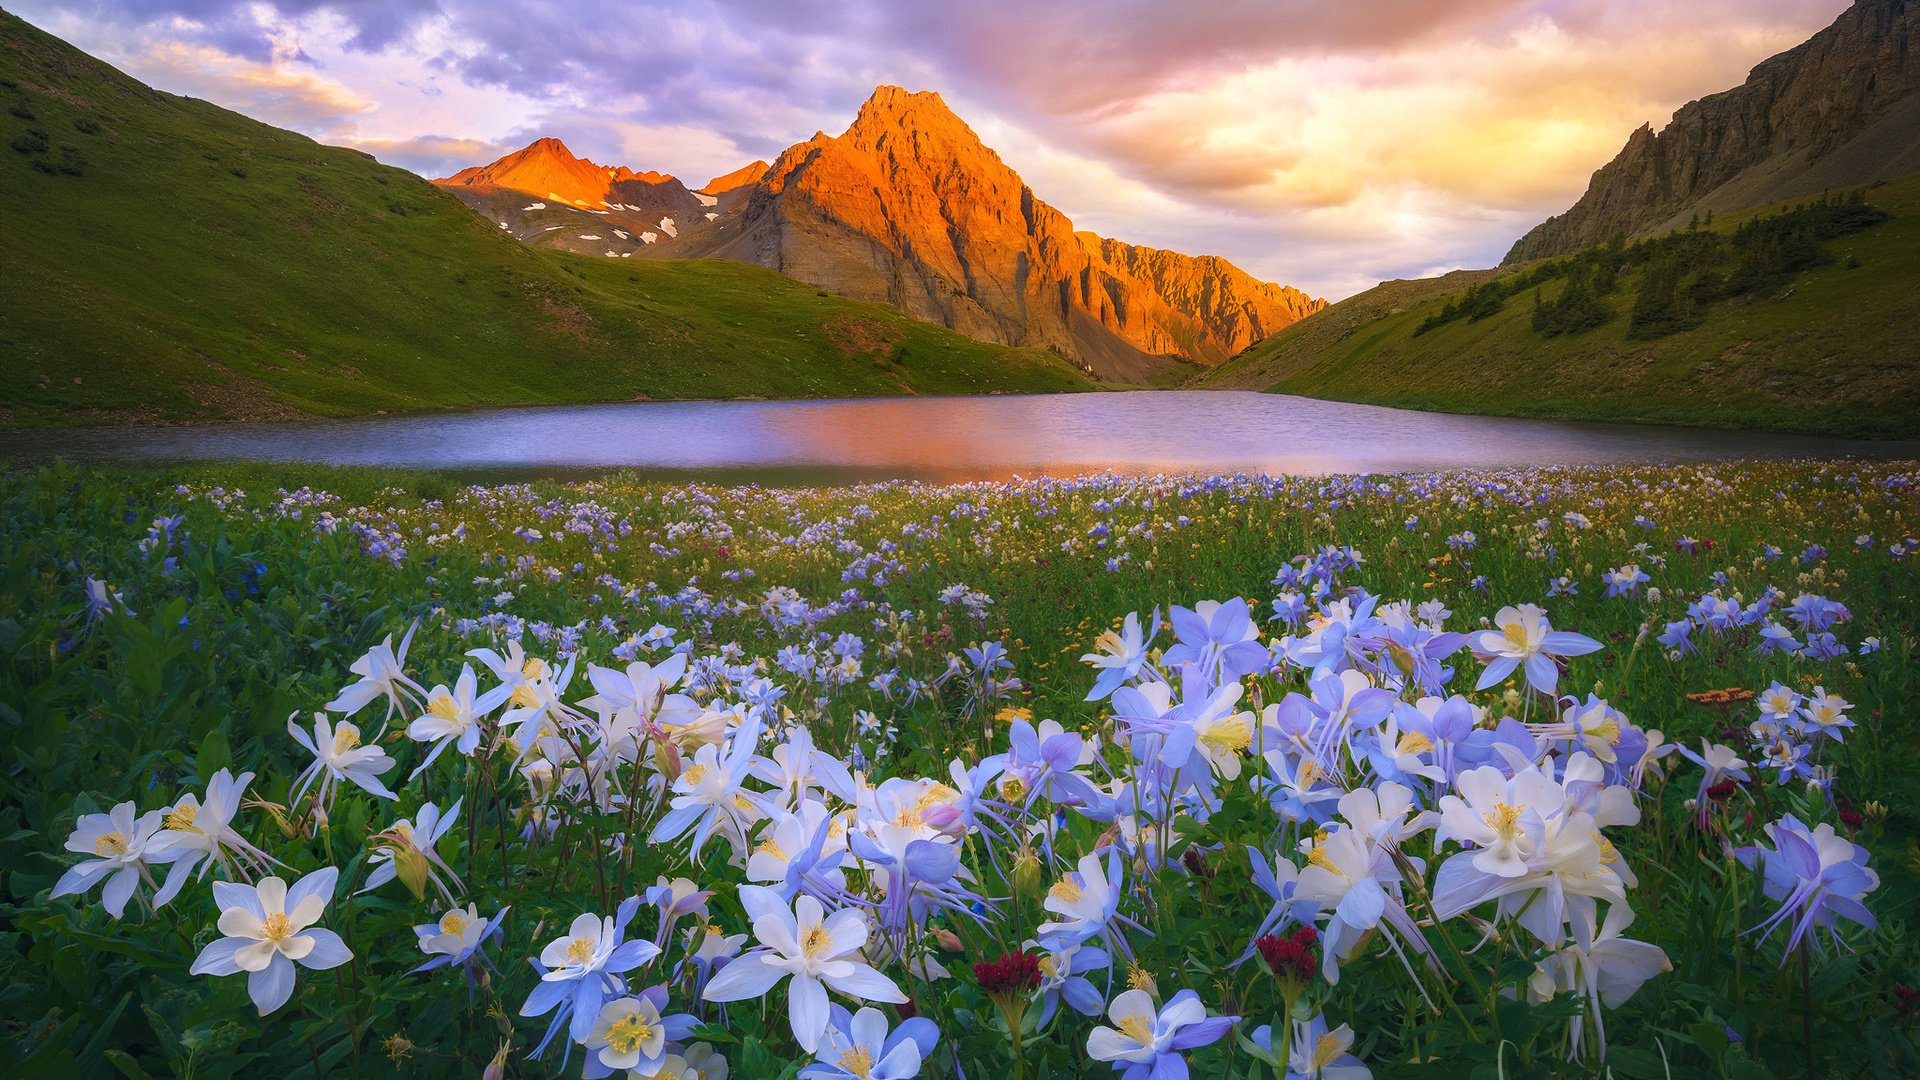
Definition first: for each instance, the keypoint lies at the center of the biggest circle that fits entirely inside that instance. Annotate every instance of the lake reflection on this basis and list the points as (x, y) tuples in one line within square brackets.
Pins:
[(936, 439)]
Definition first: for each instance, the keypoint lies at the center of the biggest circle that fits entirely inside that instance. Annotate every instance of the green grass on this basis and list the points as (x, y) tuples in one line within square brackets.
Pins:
[(1836, 351), (164, 259)]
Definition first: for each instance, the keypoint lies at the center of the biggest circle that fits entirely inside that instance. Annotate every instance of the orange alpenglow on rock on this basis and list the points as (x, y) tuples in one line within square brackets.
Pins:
[(738, 178), (546, 169), (909, 208)]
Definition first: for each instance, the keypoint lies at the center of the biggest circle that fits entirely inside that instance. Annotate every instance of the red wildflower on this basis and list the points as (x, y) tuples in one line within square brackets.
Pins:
[(1013, 975), (1290, 958)]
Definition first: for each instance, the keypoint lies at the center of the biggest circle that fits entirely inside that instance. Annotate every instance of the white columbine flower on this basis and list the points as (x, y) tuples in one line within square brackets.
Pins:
[(453, 716), (382, 674), (454, 937), (195, 833), (338, 755), (117, 840), (268, 929), (817, 949), (1523, 636)]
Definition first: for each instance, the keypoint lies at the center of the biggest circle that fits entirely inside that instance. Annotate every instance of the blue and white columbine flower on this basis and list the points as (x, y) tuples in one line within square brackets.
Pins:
[(1144, 1042)]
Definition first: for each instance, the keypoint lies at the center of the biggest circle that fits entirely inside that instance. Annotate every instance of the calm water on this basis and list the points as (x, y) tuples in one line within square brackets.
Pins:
[(936, 439)]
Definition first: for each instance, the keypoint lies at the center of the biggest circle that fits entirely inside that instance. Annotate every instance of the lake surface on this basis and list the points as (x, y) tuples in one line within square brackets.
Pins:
[(964, 438)]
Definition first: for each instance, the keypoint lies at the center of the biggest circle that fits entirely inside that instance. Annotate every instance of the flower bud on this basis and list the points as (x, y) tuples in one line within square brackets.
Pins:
[(1026, 873)]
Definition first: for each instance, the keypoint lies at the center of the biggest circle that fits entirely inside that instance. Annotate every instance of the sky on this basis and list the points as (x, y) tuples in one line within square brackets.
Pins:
[(1326, 145)]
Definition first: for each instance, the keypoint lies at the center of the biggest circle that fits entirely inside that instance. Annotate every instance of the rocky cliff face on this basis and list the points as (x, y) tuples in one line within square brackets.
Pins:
[(1842, 108), (908, 207)]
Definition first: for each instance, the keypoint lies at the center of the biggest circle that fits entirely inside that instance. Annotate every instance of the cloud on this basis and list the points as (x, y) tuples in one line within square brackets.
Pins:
[(278, 93), (1326, 145)]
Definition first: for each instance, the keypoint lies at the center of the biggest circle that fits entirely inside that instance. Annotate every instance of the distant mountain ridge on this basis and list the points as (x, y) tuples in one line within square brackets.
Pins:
[(1841, 108), (909, 208)]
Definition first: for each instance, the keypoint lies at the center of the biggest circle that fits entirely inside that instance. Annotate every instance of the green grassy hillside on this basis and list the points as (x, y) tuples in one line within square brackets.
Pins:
[(1833, 347), (163, 259)]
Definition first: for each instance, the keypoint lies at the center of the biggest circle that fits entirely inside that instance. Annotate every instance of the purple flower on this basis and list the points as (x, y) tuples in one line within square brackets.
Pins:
[(1815, 874)]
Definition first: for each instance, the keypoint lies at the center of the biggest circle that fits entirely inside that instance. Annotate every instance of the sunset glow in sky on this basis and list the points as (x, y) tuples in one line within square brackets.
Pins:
[(1324, 145)]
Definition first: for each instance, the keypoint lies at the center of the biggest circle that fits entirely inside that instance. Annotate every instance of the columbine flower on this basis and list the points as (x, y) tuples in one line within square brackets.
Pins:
[(338, 755), (1815, 874), (1118, 655), (268, 929), (118, 843), (1314, 1053), (1524, 637), (699, 1062), (630, 1033), (708, 795), (453, 716), (1084, 902), (406, 851), (382, 674), (1063, 978), (1607, 973), (457, 937), (580, 968), (859, 1047), (809, 945), (195, 833), (1145, 1043)]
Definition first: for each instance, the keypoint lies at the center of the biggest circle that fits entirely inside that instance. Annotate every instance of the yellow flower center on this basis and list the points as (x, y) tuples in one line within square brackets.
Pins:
[(1309, 773), (180, 818), (443, 707), (1325, 1051), (1504, 819), (1048, 968), (453, 923), (694, 774), (524, 697), (534, 668), (1138, 1027), (628, 1032), (1608, 853), (1318, 856), (816, 943), (1012, 788), (1413, 743), (276, 927), (345, 738), (110, 845), (769, 847), (1229, 736), (857, 1062), (1607, 731), (580, 950), (1066, 890)]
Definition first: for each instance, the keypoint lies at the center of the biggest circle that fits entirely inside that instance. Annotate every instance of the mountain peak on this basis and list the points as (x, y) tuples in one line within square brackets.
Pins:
[(738, 178), (546, 169), (908, 207), (893, 106)]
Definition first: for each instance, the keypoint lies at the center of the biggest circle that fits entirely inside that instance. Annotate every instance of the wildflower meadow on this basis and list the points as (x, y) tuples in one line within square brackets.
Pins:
[(1526, 773)]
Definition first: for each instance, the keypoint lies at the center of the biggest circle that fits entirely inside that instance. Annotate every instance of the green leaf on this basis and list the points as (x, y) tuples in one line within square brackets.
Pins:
[(214, 754)]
